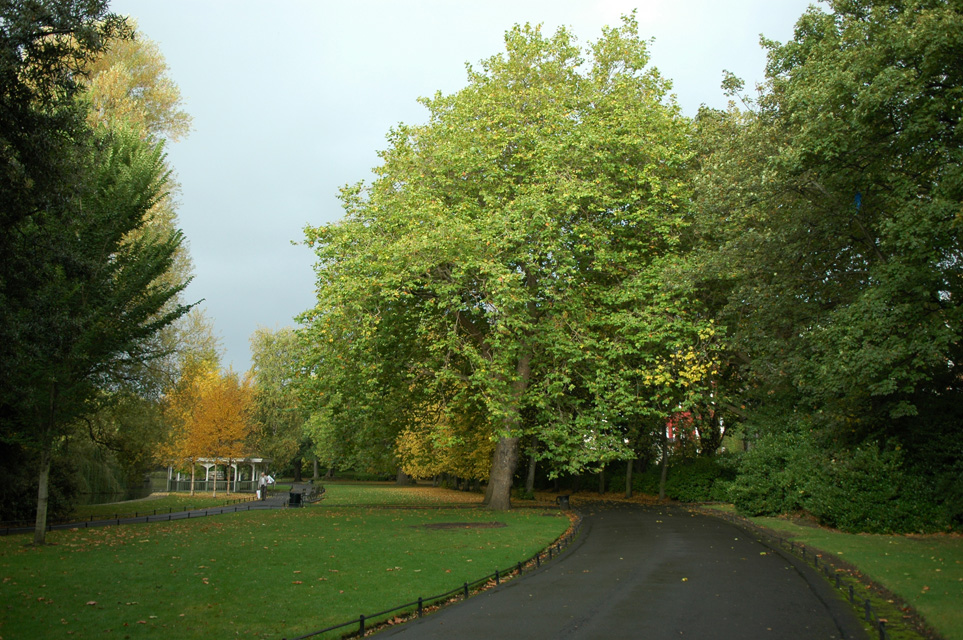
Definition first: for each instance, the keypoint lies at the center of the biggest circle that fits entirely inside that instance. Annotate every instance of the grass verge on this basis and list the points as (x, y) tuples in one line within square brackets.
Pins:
[(257, 574)]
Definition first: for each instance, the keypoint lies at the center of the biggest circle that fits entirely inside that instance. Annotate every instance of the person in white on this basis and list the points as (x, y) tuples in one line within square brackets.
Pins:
[(263, 484)]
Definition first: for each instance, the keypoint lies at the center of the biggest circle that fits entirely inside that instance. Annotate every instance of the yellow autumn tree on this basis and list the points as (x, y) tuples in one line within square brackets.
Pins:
[(442, 442), (210, 415)]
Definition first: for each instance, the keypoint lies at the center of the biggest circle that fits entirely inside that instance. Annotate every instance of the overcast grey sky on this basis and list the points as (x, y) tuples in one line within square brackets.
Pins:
[(291, 99)]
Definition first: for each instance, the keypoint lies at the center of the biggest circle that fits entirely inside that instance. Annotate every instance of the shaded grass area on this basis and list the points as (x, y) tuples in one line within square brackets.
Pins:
[(923, 571), (350, 493), (258, 574), (159, 503)]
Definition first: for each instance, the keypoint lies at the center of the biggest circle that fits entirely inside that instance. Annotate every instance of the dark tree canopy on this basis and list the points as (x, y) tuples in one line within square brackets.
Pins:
[(83, 291)]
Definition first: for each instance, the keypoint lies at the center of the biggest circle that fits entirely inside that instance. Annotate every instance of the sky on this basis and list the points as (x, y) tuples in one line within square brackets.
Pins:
[(292, 99)]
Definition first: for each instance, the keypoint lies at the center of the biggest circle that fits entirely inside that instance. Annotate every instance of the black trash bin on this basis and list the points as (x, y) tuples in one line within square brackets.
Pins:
[(295, 499), (562, 502)]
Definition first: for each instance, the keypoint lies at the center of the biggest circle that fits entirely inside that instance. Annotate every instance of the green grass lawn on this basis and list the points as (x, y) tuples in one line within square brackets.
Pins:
[(926, 571), (390, 494), (257, 574), (156, 504)]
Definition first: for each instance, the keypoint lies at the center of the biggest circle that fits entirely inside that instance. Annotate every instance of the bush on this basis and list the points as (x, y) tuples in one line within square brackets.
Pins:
[(949, 487), (867, 490), (696, 480), (693, 480), (774, 475)]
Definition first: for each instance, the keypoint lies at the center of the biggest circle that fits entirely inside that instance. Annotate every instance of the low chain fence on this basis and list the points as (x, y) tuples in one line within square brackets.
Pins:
[(419, 607), (838, 576), (155, 515)]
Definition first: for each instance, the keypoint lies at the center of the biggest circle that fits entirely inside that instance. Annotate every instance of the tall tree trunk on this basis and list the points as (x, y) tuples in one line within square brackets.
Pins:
[(628, 478), (506, 450), (43, 497), (314, 461), (503, 470), (193, 475), (298, 474), (402, 478), (215, 479), (530, 480), (601, 481)]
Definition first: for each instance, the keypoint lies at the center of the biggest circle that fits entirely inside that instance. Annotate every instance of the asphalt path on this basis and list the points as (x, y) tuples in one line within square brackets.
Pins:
[(652, 573)]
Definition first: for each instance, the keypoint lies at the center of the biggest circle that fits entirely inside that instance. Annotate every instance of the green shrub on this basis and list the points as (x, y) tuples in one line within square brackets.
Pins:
[(774, 475), (868, 490), (696, 480), (693, 480), (949, 487)]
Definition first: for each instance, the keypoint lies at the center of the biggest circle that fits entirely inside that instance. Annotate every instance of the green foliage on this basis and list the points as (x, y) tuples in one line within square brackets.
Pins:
[(864, 489), (695, 480), (18, 484), (97, 470), (44, 48), (869, 490), (949, 487), (277, 408), (775, 474), (827, 219), (83, 293), (512, 258), (646, 483), (700, 479)]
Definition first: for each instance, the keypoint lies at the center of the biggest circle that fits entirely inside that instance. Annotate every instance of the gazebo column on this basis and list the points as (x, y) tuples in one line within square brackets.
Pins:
[(207, 475)]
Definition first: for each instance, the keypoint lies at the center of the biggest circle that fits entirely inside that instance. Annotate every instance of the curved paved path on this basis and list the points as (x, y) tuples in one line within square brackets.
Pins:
[(652, 573)]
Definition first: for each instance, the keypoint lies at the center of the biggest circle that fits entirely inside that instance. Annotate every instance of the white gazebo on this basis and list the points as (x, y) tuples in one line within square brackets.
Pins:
[(239, 465)]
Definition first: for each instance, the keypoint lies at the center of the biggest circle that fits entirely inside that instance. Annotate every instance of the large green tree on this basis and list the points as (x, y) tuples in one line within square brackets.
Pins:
[(82, 292), (491, 232), (832, 212), (128, 84), (276, 404)]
